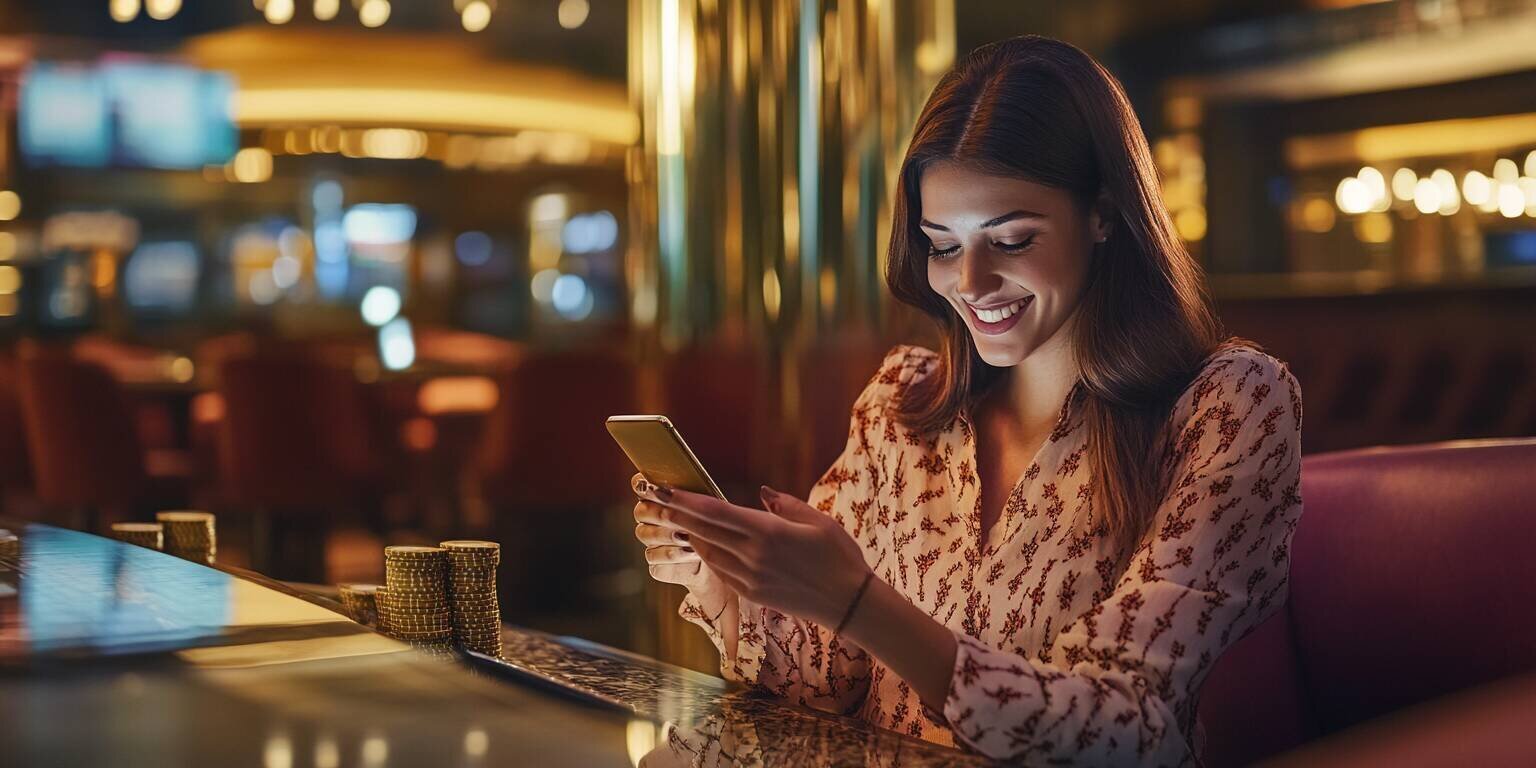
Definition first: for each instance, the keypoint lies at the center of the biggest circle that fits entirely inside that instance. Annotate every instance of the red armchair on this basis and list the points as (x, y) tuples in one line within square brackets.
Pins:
[(1412, 578)]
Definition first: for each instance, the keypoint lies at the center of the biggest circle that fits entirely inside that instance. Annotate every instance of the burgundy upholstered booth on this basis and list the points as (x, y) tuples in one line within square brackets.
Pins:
[(1412, 577)]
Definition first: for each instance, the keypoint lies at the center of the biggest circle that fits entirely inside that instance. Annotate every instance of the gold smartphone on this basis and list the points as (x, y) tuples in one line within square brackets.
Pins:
[(658, 451)]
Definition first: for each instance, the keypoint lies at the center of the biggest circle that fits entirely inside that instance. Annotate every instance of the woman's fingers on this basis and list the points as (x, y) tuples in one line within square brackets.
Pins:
[(652, 513), (670, 554), (719, 512), (698, 528), (653, 535), (677, 573)]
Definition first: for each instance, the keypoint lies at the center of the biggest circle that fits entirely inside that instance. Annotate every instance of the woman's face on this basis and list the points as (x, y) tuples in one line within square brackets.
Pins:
[(1011, 256)]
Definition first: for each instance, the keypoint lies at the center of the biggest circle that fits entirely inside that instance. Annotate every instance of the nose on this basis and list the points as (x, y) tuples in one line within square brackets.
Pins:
[(977, 280)]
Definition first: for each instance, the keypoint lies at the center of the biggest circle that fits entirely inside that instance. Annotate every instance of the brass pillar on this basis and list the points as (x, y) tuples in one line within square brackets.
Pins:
[(771, 133)]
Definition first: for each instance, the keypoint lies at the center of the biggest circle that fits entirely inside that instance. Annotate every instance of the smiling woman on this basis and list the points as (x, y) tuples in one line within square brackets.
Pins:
[(1039, 539)]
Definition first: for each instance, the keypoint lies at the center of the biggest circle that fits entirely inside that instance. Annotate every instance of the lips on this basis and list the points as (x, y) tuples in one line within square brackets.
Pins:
[(998, 319)]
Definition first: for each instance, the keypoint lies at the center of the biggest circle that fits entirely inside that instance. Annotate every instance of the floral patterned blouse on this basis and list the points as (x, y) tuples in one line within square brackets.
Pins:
[(1060, 656)]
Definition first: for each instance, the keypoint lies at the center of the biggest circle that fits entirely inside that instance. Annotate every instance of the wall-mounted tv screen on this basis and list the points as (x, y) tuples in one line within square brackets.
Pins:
[(134, 113), (64, 117)]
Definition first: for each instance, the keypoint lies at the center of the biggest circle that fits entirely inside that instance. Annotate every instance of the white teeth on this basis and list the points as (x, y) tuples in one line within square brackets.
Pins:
[(999, 315)]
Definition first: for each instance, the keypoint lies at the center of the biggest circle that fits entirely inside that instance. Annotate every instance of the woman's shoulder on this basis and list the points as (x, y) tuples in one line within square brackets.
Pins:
[(1240, 371), (903, 365)]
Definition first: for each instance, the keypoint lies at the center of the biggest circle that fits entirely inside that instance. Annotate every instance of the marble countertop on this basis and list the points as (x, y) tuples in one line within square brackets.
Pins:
[(706, 721), (112, 654)]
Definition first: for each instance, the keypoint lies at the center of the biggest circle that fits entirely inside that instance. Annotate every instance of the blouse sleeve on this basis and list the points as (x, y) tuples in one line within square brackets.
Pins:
[(1120, 684), (794, 658)]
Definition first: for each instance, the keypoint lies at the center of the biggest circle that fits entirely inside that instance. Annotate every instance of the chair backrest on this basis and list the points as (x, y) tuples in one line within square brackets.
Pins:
[(296, 430), (545, 443), (15, 465), (717, 396), (1411, 578), (80, 432), (833, 372)]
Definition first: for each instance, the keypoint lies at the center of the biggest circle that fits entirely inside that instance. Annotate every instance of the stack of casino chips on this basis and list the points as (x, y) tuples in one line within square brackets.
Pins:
[(416, 594), (360, 601), (151, 535), (189, 535), (472, 589), (381, 609)]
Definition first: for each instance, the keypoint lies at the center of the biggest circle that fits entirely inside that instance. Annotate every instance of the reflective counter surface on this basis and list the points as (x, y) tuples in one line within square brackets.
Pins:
[(112, 654)]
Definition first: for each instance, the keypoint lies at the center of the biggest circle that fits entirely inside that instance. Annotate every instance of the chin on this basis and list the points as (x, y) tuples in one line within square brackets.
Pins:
[(998, 353)]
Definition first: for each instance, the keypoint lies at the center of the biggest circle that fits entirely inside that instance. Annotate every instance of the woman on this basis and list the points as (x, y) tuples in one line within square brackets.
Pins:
[(1039, 539)]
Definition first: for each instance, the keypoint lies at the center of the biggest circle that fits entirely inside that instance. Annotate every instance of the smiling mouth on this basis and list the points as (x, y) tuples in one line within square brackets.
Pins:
[(996, 320), (999, 314)]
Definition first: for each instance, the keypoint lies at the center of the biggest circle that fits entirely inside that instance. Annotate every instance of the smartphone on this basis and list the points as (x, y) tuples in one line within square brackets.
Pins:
[(659, 453)]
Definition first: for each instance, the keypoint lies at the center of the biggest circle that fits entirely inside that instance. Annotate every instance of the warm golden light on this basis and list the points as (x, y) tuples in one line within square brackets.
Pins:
[(1374, 227), (8, 304), (1403, 183), (373, 13), (1426, 196), (252, 164), (182, 369), (669, 118), (10, 279), (394, 143), (771, 295), (476, 15), (10, 205), (1353, 196), (297, 142), (1450, 201), (160, 10), (640, 738), (1505, 170), (1191, 223), (1375, 186), (458, 394), (433, 108), (1386, 143), (1511, 200), (1317, 215), (325, 10), (123, 10), (1475, 188), (573, 13), (278, 11)]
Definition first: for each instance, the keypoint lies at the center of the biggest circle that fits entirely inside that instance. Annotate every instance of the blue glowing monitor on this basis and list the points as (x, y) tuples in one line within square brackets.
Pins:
[(64, 117), (162, 277), (171, 116)]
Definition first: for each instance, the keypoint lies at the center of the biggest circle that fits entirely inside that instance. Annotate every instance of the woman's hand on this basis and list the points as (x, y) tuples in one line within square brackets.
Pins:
[(792, 558), (667, 551)]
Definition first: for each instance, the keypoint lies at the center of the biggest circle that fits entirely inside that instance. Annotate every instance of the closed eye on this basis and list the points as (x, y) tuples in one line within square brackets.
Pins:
[(1014, 247), (940, 253)]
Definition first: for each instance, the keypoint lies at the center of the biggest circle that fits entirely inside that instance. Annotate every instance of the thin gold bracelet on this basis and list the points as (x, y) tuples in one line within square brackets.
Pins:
[(854, 603)]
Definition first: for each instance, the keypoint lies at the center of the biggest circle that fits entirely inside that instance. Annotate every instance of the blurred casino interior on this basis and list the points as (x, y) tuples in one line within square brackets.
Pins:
[(373, 272)]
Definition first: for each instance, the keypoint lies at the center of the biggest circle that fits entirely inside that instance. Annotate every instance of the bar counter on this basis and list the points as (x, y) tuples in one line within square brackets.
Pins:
[(112, 654)]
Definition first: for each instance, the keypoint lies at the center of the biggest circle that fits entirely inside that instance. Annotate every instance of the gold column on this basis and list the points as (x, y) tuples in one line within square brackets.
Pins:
[(772, 131)]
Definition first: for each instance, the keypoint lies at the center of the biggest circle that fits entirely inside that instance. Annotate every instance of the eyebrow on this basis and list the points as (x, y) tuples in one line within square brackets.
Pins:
[(1003, 219)]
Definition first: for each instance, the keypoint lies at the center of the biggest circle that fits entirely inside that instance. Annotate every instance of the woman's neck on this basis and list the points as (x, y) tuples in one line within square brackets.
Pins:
[(1036, 387)]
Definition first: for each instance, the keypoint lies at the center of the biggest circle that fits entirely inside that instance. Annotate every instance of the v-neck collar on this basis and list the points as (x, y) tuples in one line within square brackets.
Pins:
[(993, 539)]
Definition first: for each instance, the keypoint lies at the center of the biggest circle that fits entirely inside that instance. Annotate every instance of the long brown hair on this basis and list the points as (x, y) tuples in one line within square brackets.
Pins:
[(1043, 110)]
